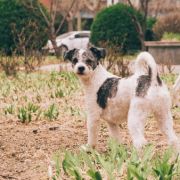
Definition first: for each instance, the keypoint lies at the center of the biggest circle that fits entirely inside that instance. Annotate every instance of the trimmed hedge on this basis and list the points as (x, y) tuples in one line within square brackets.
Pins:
[(21, 18), (113, 27)]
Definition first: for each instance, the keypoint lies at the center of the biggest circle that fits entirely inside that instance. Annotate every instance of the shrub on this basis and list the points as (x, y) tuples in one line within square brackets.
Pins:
[(113, 27), (169, 23), (171, 36), (149, 34), (21, 26), (9, 64), (150, 22)]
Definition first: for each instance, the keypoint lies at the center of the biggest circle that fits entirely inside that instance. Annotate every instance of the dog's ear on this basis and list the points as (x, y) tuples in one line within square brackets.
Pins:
[(69, 54), (98, 52)]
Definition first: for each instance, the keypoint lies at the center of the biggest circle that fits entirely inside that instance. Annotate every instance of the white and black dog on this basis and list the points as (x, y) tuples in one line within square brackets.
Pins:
[(116, 99)]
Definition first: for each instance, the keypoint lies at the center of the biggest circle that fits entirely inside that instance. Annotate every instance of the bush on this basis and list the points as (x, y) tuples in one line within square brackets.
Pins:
[(113, 27), (171, 36), (150, 22), (149, 34), (169, 23), (21, 26)]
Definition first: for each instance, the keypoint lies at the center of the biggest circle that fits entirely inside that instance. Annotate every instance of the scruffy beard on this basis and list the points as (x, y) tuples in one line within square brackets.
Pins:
[(86, 78)]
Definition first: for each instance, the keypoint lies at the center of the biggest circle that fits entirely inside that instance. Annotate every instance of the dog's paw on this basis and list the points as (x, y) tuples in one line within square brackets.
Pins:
[(86, 147), (139, 144)]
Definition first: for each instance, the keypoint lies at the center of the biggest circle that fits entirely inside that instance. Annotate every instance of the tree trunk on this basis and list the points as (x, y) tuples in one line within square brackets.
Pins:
[(70, 25), (53, 40), (55, 47), (79, 21), (143, 47)]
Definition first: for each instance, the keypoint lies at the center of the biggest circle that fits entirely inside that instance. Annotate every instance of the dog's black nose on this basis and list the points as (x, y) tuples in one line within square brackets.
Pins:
[(81, 69)]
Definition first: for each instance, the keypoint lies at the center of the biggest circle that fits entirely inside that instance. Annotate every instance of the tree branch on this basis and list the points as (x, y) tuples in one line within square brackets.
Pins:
[(65, 16), (44, 15), (92, 7), (130, 3)]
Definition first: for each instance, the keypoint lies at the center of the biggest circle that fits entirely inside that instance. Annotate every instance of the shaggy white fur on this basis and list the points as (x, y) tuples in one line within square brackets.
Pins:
[(128, 99)]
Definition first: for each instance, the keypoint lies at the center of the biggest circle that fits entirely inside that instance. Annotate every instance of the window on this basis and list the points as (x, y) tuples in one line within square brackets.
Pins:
[(82, 35)]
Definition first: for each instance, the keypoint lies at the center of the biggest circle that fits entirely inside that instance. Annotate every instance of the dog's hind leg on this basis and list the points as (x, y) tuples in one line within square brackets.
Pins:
[(165, 122), (114, 132), (136, 121)]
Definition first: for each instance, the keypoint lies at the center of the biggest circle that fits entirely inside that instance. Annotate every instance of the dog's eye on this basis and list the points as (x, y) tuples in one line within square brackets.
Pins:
[(89, 62), (74, 61)]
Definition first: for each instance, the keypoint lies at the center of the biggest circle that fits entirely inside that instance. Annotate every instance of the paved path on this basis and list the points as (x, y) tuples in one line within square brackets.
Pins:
[(67, 67), (55, 67), (177, 69)]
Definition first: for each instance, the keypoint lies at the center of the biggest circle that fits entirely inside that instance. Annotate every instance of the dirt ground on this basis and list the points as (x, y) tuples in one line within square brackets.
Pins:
[(26, 149)]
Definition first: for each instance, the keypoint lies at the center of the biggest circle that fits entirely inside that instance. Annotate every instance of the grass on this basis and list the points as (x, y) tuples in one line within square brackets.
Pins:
[(43, 96), (37, 96)]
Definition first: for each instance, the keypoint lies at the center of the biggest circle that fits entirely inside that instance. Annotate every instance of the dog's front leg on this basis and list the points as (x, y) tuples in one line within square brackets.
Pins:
[(93, 123)]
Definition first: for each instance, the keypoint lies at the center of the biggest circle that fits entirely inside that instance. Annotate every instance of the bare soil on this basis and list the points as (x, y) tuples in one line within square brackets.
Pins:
[(25, 150)]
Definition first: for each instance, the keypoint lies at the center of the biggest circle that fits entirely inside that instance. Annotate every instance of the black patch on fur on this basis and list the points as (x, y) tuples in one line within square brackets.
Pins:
[(98, 52), (69, 54), (144, 83), (159, 80), (92, 63), (107, 90)]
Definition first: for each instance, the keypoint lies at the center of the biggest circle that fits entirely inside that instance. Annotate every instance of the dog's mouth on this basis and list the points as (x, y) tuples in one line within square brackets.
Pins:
[(80, 73)]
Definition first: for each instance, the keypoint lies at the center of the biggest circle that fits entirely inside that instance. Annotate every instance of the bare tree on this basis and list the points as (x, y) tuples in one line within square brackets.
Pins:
[(50, 18), (90, 5), (140, 27), (157, 8)]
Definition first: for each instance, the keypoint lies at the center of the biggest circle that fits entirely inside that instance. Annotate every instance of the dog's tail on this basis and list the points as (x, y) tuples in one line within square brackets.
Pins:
[(146, 65)]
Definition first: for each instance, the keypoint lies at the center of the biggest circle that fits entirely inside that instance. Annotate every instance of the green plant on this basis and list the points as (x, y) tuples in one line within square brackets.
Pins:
[(71, 165), (149, 34), (26, 113), (52, 112), (21, 26), (114, 27), (117, 163), (171, 36), (150, 22), (32, 107), (9, 110), (139, 167), (165, 168)]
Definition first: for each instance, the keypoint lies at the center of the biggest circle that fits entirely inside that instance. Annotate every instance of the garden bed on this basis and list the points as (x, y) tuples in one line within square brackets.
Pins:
[(165, 52), (42, 115)]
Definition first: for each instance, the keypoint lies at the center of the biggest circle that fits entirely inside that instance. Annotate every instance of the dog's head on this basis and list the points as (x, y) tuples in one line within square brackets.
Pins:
[(85, 61)]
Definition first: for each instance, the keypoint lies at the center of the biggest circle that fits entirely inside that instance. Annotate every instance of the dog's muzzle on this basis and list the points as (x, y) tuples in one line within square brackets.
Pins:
[(81, 70)]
